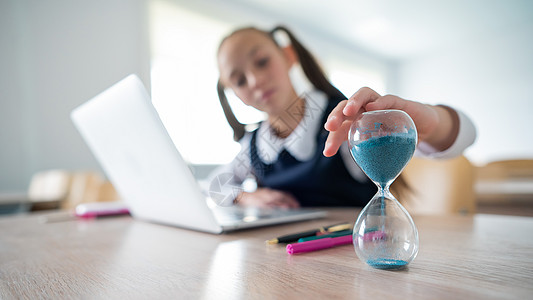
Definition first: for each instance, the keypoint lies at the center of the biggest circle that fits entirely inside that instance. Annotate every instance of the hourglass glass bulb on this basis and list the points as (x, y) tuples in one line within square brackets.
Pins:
[(382, 143)]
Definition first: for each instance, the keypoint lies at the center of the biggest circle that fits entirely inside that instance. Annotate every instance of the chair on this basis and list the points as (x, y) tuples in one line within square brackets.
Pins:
[(440, 186), (52, 189), (108, 192), (48, 189), (505, 181), (88, 186), (84, 187), (507, 169)]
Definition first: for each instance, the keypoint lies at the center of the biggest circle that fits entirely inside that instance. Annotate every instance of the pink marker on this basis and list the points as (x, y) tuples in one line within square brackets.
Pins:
[(374, 236), (101, 209), (318, 244)]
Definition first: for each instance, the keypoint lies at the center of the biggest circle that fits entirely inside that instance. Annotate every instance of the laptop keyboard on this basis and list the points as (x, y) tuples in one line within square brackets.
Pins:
[(233, 214)]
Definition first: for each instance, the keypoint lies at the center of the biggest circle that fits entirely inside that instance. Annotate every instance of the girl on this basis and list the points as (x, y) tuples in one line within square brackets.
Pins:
[(285, 154)]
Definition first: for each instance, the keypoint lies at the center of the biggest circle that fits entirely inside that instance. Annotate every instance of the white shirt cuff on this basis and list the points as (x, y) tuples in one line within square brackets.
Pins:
[(465, 138)]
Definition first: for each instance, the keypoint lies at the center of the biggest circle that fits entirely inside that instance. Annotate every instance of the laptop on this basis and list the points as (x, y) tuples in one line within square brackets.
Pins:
[(123, 130)]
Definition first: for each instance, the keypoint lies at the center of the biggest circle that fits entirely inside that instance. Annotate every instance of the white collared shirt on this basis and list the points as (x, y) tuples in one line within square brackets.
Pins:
[(301, 143)]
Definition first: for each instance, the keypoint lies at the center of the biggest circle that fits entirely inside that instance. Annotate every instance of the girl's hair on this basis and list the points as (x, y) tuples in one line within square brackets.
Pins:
[(314, 74), (311, 68)]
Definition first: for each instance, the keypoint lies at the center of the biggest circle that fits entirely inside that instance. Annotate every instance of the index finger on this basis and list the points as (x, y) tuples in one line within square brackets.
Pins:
[(350, 108), (359, 100), (341, 117)]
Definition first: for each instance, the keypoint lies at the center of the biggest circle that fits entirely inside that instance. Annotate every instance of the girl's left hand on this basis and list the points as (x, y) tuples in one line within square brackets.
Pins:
[(436, 125)]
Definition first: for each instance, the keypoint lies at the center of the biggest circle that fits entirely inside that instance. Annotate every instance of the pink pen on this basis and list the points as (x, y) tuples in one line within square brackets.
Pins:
[(101, 209), (374, 236), (318, 244)]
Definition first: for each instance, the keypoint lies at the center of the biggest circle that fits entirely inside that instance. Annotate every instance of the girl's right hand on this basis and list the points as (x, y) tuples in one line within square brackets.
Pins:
[(436, 125), (267, 198)]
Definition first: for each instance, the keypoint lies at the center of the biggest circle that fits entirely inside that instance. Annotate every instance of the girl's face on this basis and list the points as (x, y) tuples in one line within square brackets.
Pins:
[(257, 70)]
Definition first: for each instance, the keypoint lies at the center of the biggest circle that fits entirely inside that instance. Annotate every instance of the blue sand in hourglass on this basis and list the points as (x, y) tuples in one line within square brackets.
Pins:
[(386, 263), (382, 159)]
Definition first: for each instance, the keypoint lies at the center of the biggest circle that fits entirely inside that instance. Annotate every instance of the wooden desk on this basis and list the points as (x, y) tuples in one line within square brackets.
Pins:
[(461, 257)]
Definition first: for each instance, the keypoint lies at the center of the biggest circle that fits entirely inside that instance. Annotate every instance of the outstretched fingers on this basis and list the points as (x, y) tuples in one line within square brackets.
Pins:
[(388, 102), (336, 138), (336, 117), (359, 100), (342, 116)]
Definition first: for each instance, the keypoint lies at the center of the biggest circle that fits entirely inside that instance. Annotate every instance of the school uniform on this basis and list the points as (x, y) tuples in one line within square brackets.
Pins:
[(296, 164)]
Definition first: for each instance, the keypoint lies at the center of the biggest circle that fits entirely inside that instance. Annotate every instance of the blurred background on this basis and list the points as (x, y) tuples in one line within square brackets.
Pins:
[(473, 55)]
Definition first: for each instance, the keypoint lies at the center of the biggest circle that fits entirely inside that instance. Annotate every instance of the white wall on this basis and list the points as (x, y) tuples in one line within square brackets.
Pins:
[(322, 44), (490, 77), (54, 56)]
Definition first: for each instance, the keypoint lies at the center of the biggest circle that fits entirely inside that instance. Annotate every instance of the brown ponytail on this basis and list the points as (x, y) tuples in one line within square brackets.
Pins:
[(238, 127), (311, 68)]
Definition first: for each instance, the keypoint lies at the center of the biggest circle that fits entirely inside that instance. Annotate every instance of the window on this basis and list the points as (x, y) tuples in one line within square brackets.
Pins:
[(184, 76), (349, 78)]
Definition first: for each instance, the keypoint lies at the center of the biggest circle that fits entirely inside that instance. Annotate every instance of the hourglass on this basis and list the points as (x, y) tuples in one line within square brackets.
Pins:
[(382, 143)]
